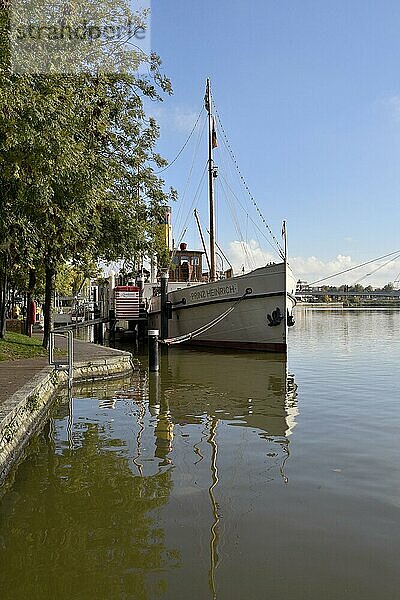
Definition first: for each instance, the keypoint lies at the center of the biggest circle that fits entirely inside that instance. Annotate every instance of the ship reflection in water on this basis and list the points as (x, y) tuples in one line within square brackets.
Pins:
[(240, 390), (151, 481), (219, 424)]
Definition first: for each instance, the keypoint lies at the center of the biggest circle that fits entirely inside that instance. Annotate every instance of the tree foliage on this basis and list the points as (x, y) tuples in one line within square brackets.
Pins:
[(78, 161)]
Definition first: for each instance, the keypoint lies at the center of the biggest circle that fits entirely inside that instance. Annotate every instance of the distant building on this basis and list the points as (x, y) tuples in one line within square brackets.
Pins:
[(302, 287)]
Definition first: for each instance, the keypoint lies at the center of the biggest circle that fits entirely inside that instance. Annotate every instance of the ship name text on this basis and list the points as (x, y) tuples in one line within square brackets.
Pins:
[(215, 292)]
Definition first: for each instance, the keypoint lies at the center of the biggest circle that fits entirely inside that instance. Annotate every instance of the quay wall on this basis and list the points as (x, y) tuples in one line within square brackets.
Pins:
[(26, 410)]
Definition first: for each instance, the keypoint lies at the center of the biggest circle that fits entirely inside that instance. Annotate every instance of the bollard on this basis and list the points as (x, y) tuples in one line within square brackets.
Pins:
[(154, 363)]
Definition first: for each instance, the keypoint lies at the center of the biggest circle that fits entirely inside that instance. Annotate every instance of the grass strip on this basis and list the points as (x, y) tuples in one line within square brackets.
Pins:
[(16, 345)]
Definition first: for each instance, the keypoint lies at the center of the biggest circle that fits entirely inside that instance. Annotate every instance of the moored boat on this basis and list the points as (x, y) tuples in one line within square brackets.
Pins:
[(251, 311)]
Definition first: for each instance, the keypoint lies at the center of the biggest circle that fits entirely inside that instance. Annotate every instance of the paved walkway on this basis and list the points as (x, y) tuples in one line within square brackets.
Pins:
[(14, 374)]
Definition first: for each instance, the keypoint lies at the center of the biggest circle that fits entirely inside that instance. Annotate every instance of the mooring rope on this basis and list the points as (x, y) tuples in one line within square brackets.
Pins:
[(188, 336)]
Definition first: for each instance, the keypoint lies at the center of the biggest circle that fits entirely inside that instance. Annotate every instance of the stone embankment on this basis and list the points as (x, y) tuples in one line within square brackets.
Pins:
[(28, 386)]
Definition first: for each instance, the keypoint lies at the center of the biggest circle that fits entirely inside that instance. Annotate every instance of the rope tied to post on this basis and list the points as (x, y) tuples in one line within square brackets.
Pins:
[(188, 336)]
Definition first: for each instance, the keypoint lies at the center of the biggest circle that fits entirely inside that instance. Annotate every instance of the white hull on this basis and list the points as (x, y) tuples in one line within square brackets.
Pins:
[(253, 296)]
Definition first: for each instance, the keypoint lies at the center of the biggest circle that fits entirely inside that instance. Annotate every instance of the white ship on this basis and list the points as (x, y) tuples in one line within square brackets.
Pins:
[(249, 312), (252, 311)]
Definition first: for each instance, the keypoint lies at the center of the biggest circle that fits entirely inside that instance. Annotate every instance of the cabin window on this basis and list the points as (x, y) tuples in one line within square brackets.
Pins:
[(194, 260), (184, 259)]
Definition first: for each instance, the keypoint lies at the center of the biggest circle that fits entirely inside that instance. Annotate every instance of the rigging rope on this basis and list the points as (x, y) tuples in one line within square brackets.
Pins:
[(377, 268), (233, 157), (188, 182), (251, 219), (356, 267), (247, 256), (184, 145), (188, 336), (193, 205), (245, 247)]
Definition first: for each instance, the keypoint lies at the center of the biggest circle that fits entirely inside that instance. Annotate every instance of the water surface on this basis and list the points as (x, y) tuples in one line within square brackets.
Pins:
[(218, 479)]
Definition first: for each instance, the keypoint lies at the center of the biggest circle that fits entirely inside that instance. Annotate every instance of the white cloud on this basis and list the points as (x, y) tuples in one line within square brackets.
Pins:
[(176, 119), (311, 268), (392, 104), (315, 268), (248, 255), (184, 120)]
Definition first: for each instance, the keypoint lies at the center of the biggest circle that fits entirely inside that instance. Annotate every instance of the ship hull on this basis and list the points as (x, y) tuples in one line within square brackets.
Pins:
[(261, 304)]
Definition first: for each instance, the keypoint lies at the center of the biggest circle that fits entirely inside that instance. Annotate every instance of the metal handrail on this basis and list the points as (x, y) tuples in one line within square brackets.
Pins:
[(60, 366)]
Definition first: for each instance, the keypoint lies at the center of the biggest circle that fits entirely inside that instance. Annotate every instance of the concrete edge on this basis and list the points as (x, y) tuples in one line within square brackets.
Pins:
[(24, 412)]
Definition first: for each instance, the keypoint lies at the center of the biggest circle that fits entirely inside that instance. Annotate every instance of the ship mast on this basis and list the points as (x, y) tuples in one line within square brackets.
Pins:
[(207, 99)]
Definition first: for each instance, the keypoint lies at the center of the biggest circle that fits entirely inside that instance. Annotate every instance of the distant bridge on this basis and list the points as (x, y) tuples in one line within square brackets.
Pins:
[(394, 295)]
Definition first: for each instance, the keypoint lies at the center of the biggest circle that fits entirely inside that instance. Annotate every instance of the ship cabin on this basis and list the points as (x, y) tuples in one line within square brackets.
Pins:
[(186, 265)]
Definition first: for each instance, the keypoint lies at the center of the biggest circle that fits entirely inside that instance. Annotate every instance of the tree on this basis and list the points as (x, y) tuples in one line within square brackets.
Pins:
[(78, 180), (357, 288)]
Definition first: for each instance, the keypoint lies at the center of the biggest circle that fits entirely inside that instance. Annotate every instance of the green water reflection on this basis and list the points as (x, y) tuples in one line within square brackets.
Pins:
[(218, 479), (78, 524), (84, 516)]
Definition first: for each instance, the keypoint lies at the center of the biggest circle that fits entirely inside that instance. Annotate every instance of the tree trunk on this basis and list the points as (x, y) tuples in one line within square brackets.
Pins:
[(48, 305), (29, 298), (3, 298)]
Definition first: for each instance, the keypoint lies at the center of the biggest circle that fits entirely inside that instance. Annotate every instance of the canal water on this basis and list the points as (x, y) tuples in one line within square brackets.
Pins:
[(228, 476)]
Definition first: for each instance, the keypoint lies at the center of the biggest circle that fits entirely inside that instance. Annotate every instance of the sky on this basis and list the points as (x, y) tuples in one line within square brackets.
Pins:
[(309, 96)]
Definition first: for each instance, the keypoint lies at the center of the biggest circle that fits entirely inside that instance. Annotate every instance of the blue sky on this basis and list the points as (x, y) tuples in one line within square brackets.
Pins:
[(309, 94)]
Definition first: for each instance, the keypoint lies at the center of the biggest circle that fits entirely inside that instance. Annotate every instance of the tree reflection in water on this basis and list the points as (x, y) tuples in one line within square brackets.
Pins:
[(86, 527)]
